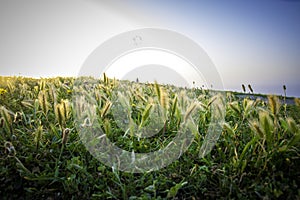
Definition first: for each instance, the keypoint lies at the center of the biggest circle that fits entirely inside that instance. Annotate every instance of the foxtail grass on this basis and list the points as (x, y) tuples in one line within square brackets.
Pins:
[(7, 119), (146, 114), (38, 135), (189, 111), (43, 101), (106, 109), (274, 104), (60, 117)]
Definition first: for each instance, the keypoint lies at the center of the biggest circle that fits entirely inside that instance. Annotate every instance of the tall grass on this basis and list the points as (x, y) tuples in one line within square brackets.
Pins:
[(42, 155)]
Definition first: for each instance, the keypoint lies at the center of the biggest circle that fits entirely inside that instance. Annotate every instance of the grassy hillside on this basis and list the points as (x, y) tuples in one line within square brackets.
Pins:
[(257, 155)]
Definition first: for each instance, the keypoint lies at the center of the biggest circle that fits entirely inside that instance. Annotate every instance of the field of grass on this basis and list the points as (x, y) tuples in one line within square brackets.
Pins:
[(257, 155)]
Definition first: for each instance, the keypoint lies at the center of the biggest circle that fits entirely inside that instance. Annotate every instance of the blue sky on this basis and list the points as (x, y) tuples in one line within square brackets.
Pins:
[(250, 42), (254, 42)]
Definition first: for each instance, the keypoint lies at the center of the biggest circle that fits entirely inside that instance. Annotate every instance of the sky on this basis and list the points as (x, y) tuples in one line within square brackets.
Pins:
[(250, 42)]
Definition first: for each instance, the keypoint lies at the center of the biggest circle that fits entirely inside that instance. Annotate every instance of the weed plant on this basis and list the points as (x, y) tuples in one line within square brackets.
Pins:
[(42, 157)]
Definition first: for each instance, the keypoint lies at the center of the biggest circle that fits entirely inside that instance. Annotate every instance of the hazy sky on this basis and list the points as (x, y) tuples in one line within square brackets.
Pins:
[(253, 42)]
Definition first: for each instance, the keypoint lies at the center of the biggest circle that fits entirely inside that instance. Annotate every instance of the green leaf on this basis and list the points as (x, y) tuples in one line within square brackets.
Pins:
[(146, 114), (174, 190)]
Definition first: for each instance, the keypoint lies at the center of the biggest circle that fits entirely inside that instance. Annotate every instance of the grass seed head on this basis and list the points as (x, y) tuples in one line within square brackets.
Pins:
[(256, 128), (211, 101), (274, 105), (18, 117), (43, 101), (105, 79), (164, 100), (38, 135), (52, 93), (284, 87), (266, 125), (189, 111), (235, 107), (146, 114), (42, 84), (106, 108), (5, 114), (292, 125), (157, 89), (174, 105), (59, 115), (66, 108), (65, 135)]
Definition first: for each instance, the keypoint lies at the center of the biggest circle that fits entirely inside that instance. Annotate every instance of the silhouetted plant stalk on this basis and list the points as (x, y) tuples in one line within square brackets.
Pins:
[(250, 88), (284, 99), (244, 88)]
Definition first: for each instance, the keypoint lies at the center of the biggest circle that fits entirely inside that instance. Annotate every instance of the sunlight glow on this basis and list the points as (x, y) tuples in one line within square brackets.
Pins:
[(134, 59)]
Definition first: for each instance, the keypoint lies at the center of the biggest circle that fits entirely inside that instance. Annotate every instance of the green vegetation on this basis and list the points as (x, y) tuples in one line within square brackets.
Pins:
[(42, 157)]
